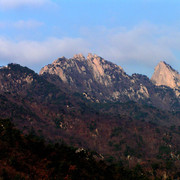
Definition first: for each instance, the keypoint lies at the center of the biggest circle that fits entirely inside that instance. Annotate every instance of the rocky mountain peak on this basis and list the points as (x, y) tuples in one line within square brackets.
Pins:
[(91, 56), (79, 57), (101, 80), (59, 60), (165, 75)]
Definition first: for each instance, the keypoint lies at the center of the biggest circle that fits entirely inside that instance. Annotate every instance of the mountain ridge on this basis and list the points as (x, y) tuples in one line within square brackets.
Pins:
[(103, 80), (126, 131)]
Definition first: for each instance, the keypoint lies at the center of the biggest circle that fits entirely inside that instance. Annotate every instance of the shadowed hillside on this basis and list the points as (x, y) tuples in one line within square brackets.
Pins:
[(131, 133)]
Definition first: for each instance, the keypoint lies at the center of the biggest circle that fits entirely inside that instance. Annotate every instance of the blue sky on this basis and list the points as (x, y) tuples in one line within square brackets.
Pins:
[(135, 34)]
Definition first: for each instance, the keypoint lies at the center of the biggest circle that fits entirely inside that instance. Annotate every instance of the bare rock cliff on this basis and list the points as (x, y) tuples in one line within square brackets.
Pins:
[(165, 75), (78, 70), (101, 81), (95, 77)]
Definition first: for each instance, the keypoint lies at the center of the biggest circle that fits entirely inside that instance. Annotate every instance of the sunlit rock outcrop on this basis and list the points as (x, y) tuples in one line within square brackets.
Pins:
[(103, 81), (165, 75)]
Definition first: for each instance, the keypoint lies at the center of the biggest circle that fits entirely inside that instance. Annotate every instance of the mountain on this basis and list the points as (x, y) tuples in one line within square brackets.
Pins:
[(131, 129), (165, 75), (101, 81), (89, 76)]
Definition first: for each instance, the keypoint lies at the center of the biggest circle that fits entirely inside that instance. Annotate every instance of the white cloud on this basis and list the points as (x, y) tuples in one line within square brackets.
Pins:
[(139, 49), (27, 24), (30, 52), (21, 24), (144, 45), (9, 4)]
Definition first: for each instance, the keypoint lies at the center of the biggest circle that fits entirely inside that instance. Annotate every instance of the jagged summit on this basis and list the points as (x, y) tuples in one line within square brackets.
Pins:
[(79, 57), (58, 60), (101, 80), (93, 64), (165, 75)]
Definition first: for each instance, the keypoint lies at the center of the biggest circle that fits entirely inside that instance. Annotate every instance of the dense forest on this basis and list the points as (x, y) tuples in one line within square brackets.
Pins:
[(30, 157)]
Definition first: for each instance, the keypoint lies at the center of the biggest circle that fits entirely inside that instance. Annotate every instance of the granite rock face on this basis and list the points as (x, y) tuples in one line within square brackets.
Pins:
[(95, 77), (165, 75), (100, 81)]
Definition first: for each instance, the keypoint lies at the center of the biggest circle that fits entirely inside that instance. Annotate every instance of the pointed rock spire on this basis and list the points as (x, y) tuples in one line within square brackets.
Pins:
[(164, 74)]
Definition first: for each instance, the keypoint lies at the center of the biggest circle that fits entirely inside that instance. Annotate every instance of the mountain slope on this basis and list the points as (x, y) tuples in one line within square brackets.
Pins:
[(129, 132), (30, 157), (102, 81), (89, 76)]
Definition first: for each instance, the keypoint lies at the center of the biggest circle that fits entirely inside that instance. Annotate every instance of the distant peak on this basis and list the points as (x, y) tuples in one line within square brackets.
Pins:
[(79, 56), (162, 63), (90, 56), (167, 66), (165, 75), (59, 60)]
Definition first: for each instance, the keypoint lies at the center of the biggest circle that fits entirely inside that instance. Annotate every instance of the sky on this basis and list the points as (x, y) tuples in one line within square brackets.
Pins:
[(135, 34)]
